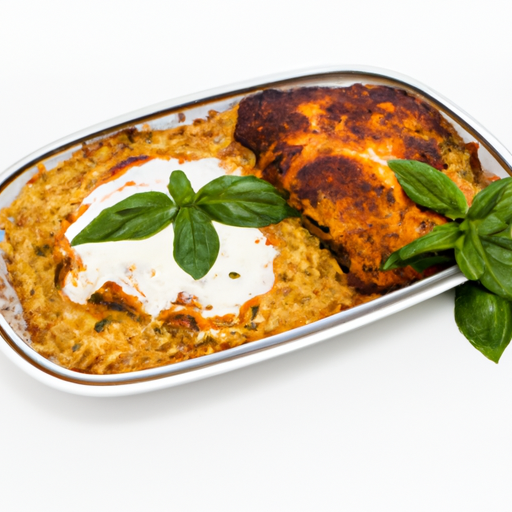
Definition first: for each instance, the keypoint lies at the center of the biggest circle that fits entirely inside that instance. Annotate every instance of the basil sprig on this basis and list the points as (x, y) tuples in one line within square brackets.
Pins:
[(244, 201), (479, 241), (134, 218)]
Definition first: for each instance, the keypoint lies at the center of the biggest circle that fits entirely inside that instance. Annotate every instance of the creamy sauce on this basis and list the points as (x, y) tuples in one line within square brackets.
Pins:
[(146, 269)]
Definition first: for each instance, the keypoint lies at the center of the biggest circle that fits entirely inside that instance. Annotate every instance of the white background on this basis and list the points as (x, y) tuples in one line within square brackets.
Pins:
[(403, 415)]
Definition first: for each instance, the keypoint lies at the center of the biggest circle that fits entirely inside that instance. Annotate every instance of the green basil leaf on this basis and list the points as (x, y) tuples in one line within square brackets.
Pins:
[(490, 225), (429, 187), (244, 201), (499, 240), (496, 200), (393, 261), (497, 276), (487, 258), (180, 188), (441, 238), (484, 319), (420, 263), (468, 257), (135, 218), (423, 262), (196, 243)]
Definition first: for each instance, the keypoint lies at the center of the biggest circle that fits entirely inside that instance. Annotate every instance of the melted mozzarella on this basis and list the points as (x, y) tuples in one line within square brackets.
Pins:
[(146, 269)]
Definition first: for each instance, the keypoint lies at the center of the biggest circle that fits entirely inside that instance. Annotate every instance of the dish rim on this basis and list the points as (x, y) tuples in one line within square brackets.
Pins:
[(256, 351)]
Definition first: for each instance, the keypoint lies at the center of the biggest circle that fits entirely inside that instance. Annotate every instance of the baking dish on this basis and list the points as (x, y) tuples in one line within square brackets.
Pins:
[(495, 158)]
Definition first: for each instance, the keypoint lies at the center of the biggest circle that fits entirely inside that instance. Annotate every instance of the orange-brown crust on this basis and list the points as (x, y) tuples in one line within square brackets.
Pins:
[(328, 147)]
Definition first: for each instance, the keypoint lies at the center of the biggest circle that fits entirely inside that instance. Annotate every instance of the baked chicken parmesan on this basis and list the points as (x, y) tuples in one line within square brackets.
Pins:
[(121, 306), (329, 147)]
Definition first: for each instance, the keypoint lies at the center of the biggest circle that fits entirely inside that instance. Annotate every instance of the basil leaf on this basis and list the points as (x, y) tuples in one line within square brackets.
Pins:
[(499, 240), (468, 258), (497, 276), (441, 238), (420, 263), (180, 188), (484, 319), (135, 218), (496, 200), (244, 201), (196, 243), (429, 187), (393, 261), (490, 225), (487, 258)]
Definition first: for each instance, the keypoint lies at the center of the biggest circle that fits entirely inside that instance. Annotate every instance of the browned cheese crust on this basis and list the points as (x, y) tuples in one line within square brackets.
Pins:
[(111, 334), (328, 147)]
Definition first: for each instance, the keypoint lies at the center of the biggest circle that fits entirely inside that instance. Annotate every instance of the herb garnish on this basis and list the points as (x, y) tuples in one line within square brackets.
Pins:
[(479, 240), (243, 201)]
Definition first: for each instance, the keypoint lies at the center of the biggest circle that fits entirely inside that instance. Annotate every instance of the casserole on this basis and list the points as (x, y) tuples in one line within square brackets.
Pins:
[(494, 158)]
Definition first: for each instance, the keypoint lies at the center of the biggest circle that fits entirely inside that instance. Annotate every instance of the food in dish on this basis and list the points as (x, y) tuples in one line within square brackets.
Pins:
[(106, 328), (243, 269), (328, 148), (115, 331)]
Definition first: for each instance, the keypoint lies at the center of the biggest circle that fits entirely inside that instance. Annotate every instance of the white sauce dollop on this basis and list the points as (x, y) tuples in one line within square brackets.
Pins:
[(146, 268)]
